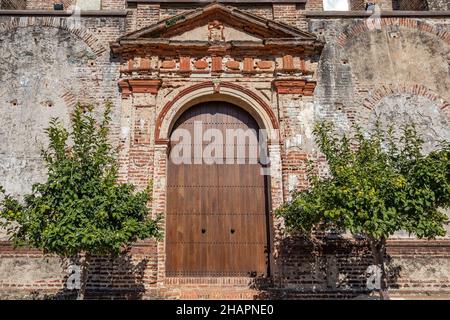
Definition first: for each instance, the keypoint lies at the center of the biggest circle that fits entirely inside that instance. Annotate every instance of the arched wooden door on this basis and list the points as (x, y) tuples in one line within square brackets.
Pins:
[(217, 223)]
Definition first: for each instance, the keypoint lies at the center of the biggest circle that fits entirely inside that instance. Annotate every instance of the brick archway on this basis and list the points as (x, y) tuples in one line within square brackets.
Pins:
[(362, 27), (59, 23), (378, 94), (216, 212), (225, 91), (242, 97)]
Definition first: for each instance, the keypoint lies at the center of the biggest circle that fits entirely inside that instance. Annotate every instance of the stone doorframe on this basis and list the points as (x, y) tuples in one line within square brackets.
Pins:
[(213, 91), (281, 57)]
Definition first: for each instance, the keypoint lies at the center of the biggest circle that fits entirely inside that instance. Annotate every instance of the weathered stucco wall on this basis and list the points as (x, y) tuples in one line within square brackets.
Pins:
[(46, 69), (372, 69), (37, 70), (438, 5), (48, 64), (397, 73)]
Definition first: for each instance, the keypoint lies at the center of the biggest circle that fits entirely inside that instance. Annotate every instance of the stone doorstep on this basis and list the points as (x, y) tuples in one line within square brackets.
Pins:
[(226, 288), (383, 14), (226, 284), (214, 293)]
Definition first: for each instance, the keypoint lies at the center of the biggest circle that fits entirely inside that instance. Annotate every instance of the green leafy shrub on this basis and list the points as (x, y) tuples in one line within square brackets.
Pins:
[(81, 209), (378, 184)]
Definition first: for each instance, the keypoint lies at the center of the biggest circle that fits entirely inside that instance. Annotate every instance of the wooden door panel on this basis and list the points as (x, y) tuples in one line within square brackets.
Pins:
[(216, 214)]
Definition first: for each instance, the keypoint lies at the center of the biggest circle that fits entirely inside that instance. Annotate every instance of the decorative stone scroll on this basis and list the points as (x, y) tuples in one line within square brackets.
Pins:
[(130, 86), (295, 86)]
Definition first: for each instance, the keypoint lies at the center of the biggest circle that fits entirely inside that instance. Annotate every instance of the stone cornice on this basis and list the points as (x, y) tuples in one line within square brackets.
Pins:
[(383, 14), (219, 1), (87, 13), (276, 47)]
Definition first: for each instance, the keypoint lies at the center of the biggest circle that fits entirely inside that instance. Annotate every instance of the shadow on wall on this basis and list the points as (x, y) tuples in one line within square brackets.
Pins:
[(110, 278), (334, 268)]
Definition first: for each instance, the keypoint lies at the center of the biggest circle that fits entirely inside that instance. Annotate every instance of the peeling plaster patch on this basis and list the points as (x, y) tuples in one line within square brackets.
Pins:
[(294, 142), (38, 66), (292, 182), (432, 123), (306, 117), (422, 269), (311, 113), (29, 270), (124, 132), (3, 232), (141, 124), (335, 115)]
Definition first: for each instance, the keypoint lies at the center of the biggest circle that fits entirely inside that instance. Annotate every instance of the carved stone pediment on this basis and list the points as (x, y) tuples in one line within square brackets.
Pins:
[(215, 31), (224, 28), (220, 42)]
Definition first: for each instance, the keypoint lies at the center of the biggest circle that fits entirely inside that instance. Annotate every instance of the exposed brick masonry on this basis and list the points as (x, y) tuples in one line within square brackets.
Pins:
[(350, 81)]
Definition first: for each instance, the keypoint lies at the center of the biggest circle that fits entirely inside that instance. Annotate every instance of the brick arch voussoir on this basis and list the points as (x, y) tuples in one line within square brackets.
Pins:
[(381, 92), (60, 23), (69, 99), (209, 84), (361, 27)]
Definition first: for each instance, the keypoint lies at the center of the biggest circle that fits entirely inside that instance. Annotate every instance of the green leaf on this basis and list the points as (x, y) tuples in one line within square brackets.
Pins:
[(81, 207)]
